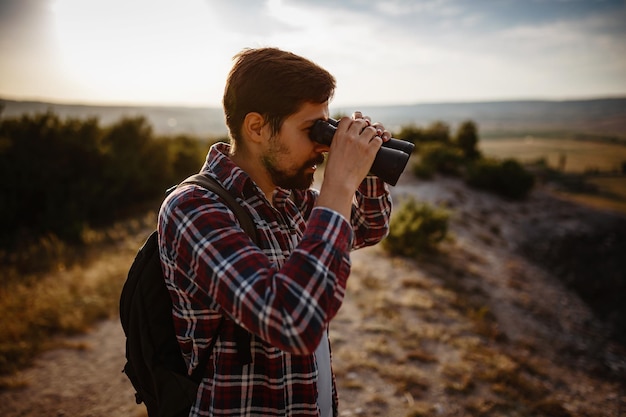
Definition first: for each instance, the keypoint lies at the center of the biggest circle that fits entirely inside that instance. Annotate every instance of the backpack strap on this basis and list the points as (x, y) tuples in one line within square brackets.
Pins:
[(242, 336), (211, 184)]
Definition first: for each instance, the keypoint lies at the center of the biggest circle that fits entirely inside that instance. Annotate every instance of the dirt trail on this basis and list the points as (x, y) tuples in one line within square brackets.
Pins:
[(83, 379), (477, 331)]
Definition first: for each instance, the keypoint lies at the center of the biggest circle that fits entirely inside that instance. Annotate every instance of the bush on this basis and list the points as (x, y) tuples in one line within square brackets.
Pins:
[(467, 139), (416, 228), (410, 133), (442, 158), (423, 171), (61, 177), (438, 132), (507, 178)]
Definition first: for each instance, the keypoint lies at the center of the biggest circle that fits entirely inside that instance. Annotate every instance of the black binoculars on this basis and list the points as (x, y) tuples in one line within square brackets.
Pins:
[(390, 160)]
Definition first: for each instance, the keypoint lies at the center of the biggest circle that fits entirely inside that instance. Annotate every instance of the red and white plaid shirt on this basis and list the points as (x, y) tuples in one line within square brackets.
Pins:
[(284, 292)]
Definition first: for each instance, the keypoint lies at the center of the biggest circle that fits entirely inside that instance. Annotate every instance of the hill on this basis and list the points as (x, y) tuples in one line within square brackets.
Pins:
[(595, 118), (481, 328), (603, 117), (199, 121)]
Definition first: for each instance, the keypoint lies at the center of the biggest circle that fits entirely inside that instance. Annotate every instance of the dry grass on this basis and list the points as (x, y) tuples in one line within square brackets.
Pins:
[(573, 156), (597, 201), (580, 156), (615, 186), (67, 300)]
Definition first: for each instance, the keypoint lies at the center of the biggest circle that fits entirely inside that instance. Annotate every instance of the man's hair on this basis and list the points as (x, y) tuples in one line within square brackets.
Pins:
[(273, 83)]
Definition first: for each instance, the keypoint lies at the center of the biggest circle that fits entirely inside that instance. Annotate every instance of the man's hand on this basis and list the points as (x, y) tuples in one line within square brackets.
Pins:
[(352, 152), (380, 129)]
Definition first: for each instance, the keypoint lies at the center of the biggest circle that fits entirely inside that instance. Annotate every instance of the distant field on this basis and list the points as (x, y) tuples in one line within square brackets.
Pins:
[(579, 156), (611, 194)]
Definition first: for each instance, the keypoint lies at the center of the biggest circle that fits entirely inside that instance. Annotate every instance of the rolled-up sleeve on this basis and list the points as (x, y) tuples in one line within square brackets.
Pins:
[(371, 212)]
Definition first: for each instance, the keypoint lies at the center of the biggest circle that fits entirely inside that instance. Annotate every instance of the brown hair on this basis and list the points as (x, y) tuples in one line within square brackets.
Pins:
[(273, 83)]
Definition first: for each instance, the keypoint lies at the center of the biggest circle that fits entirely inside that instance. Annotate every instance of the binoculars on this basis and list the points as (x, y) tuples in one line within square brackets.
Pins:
[(390, 160)]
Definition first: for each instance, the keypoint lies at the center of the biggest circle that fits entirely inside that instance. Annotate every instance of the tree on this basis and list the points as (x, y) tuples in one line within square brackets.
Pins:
[(58, 177), (411, 133), (437, 132), (467, 139)]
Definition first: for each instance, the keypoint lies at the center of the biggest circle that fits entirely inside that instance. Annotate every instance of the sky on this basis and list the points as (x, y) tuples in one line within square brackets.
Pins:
[(179, 52)]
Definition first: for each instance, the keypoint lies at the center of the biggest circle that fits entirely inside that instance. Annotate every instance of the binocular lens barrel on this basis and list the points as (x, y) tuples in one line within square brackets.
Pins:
[(390, 160)]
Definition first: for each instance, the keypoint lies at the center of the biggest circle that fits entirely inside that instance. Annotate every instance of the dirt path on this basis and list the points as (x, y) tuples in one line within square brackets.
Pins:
[(82, 380), (475, 331)]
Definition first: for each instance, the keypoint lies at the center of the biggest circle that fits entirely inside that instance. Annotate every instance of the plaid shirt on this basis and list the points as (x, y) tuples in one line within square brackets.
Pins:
[(284, 292)]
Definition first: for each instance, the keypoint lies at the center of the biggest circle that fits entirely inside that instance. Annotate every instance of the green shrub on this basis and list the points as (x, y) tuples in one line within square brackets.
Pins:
[(507, 178), (442, 158), (422, 170), (467, 139), (438, 132), (411, 133), (416, 228), (62, 176)]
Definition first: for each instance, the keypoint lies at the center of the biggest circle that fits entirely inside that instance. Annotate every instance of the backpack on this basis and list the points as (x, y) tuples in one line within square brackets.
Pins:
[(154, 362)]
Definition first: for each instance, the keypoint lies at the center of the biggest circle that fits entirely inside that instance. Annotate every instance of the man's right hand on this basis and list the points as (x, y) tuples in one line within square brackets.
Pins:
[(350, 158)]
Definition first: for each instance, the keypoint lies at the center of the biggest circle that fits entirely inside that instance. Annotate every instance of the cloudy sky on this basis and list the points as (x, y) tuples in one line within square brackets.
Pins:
[(178, 52)]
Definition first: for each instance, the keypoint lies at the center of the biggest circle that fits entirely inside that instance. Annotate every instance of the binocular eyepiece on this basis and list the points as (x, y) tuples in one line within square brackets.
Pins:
[(390, 160)]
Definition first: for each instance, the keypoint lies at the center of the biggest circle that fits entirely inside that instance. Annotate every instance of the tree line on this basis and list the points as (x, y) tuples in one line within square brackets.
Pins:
[(457, 153), (61, 176)]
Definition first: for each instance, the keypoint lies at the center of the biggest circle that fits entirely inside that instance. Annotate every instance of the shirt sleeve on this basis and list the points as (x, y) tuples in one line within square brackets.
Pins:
[(211, 263), (371, 212)]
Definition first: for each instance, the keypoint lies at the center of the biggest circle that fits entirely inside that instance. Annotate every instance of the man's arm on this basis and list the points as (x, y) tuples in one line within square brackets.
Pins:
[(210, 262), (348, 189), (371, 213)]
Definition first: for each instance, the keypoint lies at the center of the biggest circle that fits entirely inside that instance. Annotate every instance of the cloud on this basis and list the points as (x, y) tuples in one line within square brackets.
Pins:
[(382, 52), (245, 17), (23, 22)]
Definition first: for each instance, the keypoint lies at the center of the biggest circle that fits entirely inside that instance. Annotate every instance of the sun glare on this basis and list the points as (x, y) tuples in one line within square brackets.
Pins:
[(123, 49)]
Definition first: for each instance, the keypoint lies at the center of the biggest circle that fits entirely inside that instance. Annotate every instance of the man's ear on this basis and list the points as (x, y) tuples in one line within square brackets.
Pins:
[(254, 127)]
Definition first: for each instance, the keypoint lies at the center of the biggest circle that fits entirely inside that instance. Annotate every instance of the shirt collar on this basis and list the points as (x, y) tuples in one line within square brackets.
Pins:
[(219, 165), (233, 178)]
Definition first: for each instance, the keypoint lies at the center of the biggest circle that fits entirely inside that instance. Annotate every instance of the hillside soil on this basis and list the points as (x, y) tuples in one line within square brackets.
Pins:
[(487, 326)]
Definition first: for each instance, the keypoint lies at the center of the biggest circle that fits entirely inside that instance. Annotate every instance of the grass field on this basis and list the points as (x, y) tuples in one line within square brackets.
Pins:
[(571, 156), (610, 194)]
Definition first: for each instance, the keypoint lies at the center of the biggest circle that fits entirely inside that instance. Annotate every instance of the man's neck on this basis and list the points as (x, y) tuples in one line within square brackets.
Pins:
[(250, 165)]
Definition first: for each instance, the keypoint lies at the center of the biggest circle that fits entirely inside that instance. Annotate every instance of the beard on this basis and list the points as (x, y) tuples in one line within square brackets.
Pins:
[(290, 179)]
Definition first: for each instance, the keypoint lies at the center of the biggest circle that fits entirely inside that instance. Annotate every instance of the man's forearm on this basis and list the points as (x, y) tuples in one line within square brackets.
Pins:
[(371, 214)]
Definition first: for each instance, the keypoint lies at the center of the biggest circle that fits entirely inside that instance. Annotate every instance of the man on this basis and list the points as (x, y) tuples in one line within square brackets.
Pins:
[(285, 291)]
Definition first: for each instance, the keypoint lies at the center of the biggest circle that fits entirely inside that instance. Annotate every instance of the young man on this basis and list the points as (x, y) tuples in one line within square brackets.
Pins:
[(285, 291)]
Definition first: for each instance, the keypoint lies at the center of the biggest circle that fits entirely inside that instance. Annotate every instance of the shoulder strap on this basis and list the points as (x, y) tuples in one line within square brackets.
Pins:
[(211, 184), (242, 336)]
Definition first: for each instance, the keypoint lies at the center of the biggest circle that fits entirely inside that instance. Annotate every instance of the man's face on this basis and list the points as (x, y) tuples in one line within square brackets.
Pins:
[(291, 158)]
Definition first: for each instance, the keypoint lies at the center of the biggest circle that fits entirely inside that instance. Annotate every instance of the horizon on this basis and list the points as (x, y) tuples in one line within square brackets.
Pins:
[(155, 52), (331, 105), (598, 116)]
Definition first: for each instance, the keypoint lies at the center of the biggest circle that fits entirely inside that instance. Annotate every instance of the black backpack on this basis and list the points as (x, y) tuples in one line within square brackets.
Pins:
[(154, 363)]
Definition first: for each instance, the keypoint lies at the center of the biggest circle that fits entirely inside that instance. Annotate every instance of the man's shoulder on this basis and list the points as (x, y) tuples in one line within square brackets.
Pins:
[(190, 197)]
